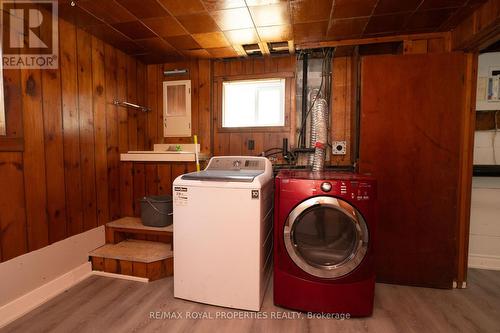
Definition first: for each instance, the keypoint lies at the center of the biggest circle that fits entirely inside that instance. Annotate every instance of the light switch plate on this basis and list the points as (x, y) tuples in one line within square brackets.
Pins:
[(339, 148)]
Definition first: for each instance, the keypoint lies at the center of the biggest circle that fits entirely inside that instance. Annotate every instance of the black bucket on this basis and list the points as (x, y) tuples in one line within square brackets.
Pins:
[(156, 211)]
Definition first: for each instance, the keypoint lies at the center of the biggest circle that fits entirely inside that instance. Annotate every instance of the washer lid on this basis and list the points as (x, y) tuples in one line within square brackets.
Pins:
[(243, 176)]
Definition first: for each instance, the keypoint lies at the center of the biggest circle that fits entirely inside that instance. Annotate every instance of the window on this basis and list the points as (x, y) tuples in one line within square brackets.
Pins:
[(253, 103)]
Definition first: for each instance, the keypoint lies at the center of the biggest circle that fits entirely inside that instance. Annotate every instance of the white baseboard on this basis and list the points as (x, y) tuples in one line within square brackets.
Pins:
[(484, 261), (26, 303), (121, 276)]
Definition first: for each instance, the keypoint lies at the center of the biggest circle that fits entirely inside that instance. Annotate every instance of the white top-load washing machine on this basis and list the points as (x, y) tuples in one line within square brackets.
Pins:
[(223, 221)]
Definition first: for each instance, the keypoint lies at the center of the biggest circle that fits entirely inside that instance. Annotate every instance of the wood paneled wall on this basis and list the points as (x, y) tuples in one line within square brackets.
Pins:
[(140, 179), (235, 142), (478, 30), (418, 165), (204, 76), (428, 45), (342, 111), (199, 72), (145, 179), (59, 165)]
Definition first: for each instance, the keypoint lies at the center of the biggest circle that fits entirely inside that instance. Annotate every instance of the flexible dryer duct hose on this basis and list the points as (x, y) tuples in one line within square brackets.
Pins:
[(313, 132), (318, 139)]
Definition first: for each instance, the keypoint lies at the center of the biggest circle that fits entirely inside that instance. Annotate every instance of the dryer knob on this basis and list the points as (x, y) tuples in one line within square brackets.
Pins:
[(326, 187)]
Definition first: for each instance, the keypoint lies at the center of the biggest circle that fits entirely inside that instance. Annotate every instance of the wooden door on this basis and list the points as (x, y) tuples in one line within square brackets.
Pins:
[(411, 128)]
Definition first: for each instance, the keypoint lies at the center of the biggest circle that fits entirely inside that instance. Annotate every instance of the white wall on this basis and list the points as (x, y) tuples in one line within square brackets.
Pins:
[(487, 147), (487, 143), (25, 273), (484, 244), (487, 61)]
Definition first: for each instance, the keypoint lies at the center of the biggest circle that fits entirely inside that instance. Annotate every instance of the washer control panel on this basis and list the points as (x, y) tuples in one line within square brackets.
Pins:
[(225, 163)]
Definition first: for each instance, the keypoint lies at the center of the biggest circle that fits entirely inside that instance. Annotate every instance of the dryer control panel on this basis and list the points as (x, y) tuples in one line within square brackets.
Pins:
[(355, 190)]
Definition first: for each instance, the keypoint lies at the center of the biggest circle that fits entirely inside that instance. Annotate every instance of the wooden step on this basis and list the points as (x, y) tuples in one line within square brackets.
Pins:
[(132, 228), (152, 260)]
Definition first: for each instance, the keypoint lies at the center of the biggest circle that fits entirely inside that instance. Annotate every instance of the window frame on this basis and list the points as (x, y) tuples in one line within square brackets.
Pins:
[(287, 76), (282, 85)]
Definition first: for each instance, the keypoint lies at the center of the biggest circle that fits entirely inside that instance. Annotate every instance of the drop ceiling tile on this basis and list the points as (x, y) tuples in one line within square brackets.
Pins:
[(310, 10), (107, 10), (475, 3), (276, 33), (183, 7), (222, 52), (157, 45), (134, 30), (198, 23), (347, 27), (459, 15), (211, 40), (430, 19), (185, 42), (438, 4), (353, 8), (213, 5), (264, 2), (233, 19), (153, 58), (198, 53), (114, 38), (242, 36), (386, 23), (308, 32), (144, 8), (396, 6), (274, 14), (165, 26), (78, 16)]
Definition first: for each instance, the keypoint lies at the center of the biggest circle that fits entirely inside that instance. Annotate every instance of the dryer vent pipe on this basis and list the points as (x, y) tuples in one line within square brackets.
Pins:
[(318, 139)]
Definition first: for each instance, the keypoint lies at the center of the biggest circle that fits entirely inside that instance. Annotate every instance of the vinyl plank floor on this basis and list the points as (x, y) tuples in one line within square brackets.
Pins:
[(101, 304)]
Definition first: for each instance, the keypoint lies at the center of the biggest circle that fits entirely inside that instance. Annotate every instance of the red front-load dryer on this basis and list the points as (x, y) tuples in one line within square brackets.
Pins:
[(323, 250)]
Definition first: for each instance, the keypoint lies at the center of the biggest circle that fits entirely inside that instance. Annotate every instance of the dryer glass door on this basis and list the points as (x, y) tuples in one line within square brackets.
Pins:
[(326, 237)]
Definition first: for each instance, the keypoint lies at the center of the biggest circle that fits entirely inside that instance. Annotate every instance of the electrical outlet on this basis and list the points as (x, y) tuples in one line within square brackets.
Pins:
[(339, 147)]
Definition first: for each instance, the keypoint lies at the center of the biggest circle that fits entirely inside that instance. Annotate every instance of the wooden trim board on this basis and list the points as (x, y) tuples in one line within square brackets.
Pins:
[(134, 250), (372, 40), (483, 261), (466, 161), (121, 276)]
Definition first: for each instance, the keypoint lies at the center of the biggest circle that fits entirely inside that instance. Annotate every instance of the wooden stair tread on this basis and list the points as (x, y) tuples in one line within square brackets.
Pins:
[(134, 224), (135, 250)]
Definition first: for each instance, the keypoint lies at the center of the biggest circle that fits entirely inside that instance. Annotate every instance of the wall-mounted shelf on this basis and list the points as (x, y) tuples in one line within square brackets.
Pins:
[(164, 153)]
